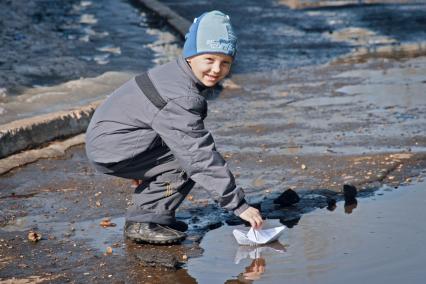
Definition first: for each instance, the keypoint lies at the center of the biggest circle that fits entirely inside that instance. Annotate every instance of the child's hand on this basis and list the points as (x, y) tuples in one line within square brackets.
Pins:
[(252, 215)]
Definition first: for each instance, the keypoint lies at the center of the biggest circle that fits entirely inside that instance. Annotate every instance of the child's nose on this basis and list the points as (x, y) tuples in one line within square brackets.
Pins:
[(216, 68)]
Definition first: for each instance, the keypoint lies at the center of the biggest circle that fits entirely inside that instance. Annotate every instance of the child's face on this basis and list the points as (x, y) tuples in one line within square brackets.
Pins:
[(210, 68)]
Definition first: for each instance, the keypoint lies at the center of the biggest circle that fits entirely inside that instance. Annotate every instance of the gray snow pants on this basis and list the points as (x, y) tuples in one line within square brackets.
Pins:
[(164, 185)]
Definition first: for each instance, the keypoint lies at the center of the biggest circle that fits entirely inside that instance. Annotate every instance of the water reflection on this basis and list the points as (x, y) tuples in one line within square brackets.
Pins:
[(350, 205), (254, 271), (257, 267), (331, 204), (290, 223)]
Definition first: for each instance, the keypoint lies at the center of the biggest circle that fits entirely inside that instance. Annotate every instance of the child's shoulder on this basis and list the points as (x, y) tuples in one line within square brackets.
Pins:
[(172, 81)]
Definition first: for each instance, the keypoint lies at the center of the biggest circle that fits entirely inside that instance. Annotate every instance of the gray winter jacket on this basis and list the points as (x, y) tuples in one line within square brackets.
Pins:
[(128, 124)]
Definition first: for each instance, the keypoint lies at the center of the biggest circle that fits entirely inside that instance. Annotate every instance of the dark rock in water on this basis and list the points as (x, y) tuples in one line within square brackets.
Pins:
[(216, 225), (349, 192), (290, 223), (331, 204), (287, 198), (158, 258), (234, 221)]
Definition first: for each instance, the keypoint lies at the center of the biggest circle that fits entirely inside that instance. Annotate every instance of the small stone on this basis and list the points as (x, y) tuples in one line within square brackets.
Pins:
[(34, 236), (98, 204), (287, 198), (184, 257), (303, 166), (109, 250)]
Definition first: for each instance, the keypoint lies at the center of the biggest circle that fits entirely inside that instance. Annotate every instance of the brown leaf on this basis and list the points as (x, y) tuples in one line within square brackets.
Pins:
[(107, 223)]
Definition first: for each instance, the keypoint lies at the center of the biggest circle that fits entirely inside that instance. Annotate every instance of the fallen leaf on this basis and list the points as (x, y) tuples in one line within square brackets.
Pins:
[(107, 223)]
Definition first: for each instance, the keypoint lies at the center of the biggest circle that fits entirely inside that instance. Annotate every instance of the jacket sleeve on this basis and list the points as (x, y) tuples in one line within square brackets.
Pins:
[(180, 125)]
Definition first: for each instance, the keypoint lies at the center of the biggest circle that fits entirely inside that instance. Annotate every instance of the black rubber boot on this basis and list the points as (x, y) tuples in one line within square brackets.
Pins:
[(152, 233)]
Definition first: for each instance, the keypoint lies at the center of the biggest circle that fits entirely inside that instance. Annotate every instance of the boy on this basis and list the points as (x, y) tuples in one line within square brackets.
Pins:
[(151, 129)]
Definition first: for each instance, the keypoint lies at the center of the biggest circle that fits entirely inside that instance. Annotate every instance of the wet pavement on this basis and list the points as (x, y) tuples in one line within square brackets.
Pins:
[(57, 56), (312, 120), (277, 37)]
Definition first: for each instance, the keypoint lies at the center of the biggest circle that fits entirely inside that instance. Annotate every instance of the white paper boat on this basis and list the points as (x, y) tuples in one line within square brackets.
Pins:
[(257, 237)]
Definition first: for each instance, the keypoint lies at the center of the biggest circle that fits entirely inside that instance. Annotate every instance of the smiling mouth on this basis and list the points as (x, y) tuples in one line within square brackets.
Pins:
[(212, 78)]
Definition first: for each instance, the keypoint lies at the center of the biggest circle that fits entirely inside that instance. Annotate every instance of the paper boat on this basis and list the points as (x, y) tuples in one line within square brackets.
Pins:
[(258, 237)]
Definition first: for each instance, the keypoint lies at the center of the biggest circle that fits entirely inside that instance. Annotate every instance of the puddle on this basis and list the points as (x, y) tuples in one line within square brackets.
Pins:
[(404, 87), (381, 241)]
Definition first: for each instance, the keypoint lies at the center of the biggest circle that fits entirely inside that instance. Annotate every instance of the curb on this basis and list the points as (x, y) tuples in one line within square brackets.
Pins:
[(36, 131), (55, 149), (177, 22)]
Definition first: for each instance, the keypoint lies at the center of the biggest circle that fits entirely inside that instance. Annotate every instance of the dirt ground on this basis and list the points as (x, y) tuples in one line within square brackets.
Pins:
[(317, 130)]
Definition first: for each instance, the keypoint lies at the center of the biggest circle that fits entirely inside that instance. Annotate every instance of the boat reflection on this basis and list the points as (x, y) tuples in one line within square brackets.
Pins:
[(258, 264)]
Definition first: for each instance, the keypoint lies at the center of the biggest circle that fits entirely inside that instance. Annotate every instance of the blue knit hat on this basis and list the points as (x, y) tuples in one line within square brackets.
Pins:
[(210, 33)]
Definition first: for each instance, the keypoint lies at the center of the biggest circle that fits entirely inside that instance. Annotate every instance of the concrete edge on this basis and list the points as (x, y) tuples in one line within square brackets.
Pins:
[(177, 22), (35, 131), (30, 133), (55, 149)]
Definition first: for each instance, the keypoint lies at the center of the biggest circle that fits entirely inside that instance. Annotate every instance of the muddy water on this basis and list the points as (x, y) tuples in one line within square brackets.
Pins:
[(381, 241)]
